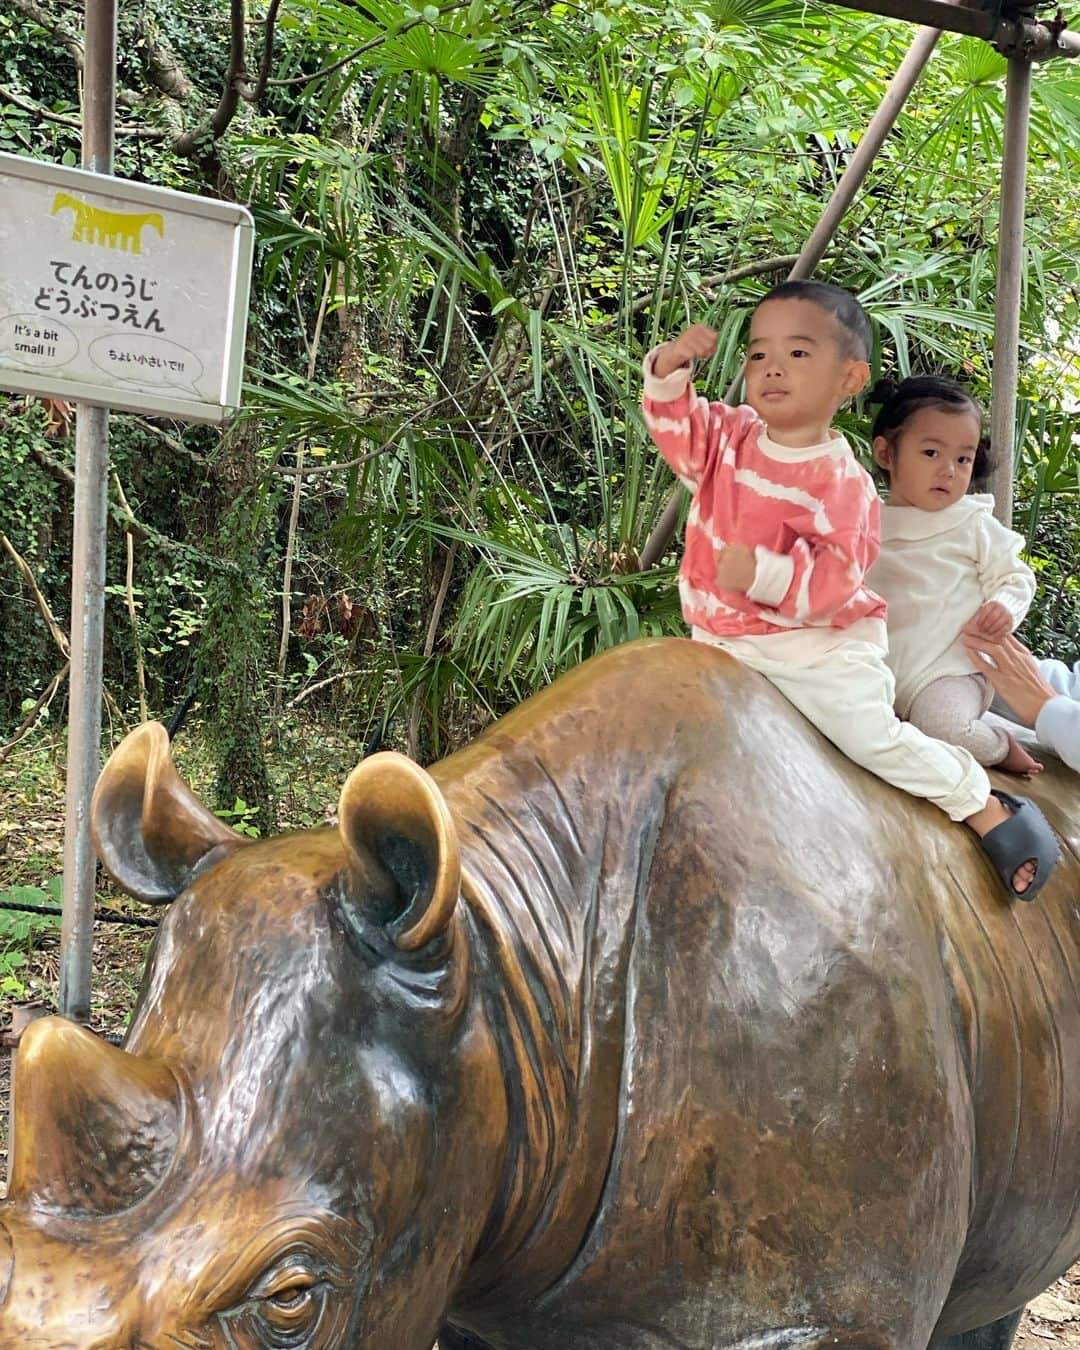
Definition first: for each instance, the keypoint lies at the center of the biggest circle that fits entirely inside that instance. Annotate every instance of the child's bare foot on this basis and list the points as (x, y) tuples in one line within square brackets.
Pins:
[(1018, 760), (995, 813)]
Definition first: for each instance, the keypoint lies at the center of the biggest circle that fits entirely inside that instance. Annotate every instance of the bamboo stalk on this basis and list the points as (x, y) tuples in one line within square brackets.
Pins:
[(140, 668), (294, 511), (1010, 279)]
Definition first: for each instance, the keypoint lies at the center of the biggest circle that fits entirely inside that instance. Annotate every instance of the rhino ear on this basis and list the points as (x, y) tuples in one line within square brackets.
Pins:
[(392, 813), (150, 830)]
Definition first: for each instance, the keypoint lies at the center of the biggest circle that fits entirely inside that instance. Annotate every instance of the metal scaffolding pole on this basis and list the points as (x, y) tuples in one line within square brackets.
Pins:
[(87, 570), (1021, 34), (1010, 282), (896, 95)]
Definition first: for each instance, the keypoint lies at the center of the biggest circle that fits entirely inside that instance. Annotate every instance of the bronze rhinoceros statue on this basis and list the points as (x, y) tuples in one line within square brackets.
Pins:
[(645, 1022)]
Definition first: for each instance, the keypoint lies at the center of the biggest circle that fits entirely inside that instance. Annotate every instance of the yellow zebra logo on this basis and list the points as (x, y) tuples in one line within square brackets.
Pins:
[(109, 229)]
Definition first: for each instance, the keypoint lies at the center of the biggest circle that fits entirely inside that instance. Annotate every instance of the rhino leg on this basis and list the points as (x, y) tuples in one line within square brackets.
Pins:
[(452, 1339), (997, 1336)]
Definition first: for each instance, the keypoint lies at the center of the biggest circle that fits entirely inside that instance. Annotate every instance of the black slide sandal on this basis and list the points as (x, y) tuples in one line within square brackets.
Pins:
[(1025, 836)]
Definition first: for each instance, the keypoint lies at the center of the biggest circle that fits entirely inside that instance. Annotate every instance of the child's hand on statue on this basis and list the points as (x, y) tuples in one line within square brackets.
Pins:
[(993, 622), (736, 568), (698, 341)]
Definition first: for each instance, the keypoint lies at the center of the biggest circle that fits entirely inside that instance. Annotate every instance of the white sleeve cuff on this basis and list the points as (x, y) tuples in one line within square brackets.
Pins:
[(668, 388), (1016, 596), (772, 579)]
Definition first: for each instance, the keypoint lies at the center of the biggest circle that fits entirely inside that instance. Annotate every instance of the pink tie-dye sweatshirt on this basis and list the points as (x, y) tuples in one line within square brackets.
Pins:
[(810, 515)]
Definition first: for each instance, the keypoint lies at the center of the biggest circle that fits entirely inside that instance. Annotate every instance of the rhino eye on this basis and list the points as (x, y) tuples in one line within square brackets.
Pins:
[(290, 1302), (284, 1311), (291, 1288), (291, 1299)]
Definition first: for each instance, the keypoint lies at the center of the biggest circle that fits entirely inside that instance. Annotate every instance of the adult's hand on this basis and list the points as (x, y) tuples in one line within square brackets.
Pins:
[(1013, 672)]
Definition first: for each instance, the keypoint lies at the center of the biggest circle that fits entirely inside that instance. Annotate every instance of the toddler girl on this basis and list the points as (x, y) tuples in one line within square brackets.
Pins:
[(946, 565)]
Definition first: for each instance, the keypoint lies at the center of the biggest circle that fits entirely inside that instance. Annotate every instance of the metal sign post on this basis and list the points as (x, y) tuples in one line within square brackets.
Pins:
[(87, 571), (115, 295)]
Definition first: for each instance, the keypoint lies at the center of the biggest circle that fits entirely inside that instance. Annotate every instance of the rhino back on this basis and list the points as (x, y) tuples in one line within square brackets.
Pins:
[(743, 1049)]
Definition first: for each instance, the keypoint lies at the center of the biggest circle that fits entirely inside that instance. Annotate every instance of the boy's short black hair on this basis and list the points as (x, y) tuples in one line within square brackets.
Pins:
[(856, 335), (904, 400)]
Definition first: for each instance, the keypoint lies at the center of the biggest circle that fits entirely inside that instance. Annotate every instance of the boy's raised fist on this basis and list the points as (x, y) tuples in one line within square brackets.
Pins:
[(694, 344)]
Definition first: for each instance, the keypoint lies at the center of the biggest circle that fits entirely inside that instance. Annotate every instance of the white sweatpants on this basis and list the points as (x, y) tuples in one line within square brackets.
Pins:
[(844, 687)]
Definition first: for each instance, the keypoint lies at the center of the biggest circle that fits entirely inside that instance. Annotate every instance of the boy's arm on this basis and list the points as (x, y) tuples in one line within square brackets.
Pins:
[(1005, 579), (680, 423), (824, 570)]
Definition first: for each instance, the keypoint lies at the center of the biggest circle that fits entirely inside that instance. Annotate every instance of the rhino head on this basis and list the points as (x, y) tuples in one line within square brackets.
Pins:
[(300, 1142)]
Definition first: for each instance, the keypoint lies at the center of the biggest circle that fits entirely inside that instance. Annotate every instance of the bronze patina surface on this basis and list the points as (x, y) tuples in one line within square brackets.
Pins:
[(645, 1021)]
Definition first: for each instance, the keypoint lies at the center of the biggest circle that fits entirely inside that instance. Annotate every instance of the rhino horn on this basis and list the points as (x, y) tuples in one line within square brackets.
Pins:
[(392, 813), (95, 1127), (150, 830)]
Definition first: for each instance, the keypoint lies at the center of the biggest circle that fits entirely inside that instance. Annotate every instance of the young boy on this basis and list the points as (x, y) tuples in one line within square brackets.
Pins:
[(782, 528)]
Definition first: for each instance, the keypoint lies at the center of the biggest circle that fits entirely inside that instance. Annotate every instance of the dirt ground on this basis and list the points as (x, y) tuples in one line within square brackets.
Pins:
[(1054, 1317)]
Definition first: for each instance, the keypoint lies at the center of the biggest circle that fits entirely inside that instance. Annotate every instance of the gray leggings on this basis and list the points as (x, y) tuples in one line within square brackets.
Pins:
[(951, 709)]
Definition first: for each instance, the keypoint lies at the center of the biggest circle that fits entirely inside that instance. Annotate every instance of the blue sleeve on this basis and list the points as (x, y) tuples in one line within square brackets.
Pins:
[(1058, 675), (1058, 728)]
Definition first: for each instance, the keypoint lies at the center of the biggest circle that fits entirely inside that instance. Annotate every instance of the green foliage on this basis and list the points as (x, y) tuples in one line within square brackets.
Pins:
[(1053, 624), (32, 63), (471, 225), (241, 817), (21, 930), (38, 527), (650, 150)]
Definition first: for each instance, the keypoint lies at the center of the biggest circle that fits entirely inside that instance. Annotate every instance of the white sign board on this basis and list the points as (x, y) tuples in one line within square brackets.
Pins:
[(120, 294)]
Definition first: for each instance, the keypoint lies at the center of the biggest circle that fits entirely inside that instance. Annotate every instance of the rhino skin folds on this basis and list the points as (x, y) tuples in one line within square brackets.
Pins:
[(645, 1021)]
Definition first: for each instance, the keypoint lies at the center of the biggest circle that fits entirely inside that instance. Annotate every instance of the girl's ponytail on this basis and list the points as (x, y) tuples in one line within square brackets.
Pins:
[(883, 392)]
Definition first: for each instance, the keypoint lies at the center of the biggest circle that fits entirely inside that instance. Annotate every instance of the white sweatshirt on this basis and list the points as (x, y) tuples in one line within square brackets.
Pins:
[(935, 572)]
